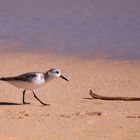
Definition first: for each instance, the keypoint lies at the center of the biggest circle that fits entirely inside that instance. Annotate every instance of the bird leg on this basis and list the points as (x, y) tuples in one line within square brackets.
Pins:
[(24, 98), (39, 99)]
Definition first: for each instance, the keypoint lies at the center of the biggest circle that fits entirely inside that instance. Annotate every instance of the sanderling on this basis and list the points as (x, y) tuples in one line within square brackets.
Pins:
[(33, 80)]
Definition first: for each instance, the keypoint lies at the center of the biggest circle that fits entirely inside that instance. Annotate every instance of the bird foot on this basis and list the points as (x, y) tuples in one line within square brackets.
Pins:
[(45, 104), (25, 103)]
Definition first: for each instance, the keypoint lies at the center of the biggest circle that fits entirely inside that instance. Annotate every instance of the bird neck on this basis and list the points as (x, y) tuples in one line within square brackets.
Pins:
[(47, 76)]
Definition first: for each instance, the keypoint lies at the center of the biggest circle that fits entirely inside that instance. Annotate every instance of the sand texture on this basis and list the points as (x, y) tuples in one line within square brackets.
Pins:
[(71, 116)]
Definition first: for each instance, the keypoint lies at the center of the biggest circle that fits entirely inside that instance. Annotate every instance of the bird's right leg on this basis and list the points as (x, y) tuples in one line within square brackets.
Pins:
[(40, 100), (23, 101)]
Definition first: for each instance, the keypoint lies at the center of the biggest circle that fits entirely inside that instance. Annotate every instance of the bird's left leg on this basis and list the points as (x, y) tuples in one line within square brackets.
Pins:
[(23, 101)]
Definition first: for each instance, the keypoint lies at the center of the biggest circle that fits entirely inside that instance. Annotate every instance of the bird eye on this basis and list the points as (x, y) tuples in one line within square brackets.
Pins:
[(57, 72)]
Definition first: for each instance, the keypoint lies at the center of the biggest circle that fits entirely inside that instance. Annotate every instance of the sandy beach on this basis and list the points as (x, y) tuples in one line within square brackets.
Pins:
[(95, 44), (71, 116)]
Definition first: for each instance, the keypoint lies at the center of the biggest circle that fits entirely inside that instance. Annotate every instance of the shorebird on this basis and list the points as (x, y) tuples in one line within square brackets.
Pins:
[(33, 80)]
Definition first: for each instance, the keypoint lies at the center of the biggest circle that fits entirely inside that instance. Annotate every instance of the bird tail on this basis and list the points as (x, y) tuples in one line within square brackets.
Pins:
[(4, 78), (1, 78)]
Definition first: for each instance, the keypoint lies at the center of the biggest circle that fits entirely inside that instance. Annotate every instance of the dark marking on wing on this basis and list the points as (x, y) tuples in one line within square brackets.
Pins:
[(22, 77)]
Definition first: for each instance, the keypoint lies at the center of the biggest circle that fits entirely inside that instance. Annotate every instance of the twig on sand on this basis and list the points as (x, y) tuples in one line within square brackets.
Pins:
[(95, 96)]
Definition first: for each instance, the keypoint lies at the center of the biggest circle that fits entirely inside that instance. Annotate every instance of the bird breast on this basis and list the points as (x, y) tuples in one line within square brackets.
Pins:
[(39, 79)]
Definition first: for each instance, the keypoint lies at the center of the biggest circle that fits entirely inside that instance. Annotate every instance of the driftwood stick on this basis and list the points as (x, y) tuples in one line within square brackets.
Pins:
[(95, 96)]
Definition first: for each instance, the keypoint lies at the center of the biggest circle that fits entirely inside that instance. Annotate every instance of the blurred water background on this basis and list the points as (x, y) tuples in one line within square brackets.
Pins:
[(85, 28)]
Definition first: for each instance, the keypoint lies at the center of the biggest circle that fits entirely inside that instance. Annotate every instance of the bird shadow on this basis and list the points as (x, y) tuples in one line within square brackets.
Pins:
[(9, 104)]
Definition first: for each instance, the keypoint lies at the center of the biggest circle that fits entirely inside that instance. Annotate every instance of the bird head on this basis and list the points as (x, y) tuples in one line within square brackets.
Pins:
[(56, 73)]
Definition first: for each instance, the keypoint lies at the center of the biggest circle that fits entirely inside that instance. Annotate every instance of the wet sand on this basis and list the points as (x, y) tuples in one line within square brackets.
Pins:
[(70, 116)]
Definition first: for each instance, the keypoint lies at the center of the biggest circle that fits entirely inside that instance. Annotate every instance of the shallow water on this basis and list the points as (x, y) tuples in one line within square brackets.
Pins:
[(76, 27)]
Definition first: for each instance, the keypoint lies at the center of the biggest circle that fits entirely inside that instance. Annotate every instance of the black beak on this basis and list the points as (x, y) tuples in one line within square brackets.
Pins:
[(64, 78)]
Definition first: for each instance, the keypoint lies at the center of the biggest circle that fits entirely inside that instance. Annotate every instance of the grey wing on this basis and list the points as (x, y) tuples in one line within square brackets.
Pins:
[(26, 77), (23, 77)]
